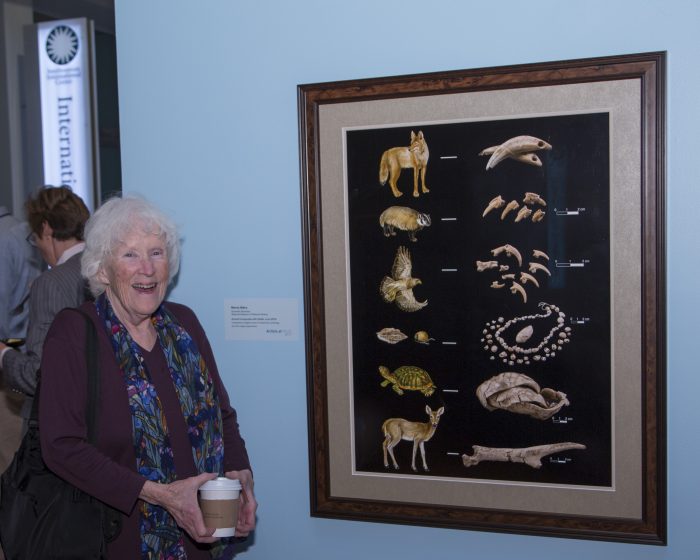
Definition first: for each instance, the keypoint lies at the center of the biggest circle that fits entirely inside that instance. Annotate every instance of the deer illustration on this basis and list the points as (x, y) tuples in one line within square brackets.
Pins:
[(396, 429)]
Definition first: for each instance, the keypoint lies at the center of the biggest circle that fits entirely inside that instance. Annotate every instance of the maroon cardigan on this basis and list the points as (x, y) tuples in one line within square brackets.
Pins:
[(108, 469)]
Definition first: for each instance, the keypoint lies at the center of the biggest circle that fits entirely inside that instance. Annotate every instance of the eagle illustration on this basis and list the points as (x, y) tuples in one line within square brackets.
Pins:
[(399, 287)]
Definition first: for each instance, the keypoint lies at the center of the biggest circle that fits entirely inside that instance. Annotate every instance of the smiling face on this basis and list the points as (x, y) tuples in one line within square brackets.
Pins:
[(136, 277)]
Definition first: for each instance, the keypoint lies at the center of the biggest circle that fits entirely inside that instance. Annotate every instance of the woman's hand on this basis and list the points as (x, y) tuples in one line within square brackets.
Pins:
[(249, 505), (179, 498)]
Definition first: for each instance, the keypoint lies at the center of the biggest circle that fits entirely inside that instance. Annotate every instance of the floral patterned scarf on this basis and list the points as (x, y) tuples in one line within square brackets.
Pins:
[(160, 536)]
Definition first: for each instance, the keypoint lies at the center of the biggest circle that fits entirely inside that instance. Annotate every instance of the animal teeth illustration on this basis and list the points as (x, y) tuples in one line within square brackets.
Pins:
[(519, 148), (531, 456), (503, 268), (398, 288), (523, 214), (539, 254), (517, 288), (406, 219), (495, 203), (525, 278), (497, 285), (485, 265), (512, 205), (534, 198), (510, 251), (535, 266), (538, 216), (518, 393), (391, 335)]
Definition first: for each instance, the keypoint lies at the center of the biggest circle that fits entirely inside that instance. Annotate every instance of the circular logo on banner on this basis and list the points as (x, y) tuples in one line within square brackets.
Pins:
[(62, 44)]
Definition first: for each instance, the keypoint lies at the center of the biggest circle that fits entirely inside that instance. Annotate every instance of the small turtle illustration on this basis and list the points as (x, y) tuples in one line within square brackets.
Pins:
[(411, 378)]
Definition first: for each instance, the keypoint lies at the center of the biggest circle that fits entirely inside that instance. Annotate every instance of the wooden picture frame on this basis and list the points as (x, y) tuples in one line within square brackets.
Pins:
[(596, 129)]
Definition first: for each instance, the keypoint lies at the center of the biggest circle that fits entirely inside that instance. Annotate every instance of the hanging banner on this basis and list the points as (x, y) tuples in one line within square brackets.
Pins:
[(65, 71)]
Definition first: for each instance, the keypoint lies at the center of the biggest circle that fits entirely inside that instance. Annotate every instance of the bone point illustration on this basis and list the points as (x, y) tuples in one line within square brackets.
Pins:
[(406, 219), (414, 156), (538, 216), (520, 394), (397, 429), (495, 203), (510, 251), (399, 287), (531, 456), (523, 214), (518, 148), (534, 198)]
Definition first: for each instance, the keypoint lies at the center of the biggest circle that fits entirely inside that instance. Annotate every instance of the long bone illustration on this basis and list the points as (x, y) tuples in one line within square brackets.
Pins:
[(531, 456)]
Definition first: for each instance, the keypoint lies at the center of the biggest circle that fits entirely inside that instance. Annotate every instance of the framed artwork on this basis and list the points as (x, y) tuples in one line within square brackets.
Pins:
[(484, 298)]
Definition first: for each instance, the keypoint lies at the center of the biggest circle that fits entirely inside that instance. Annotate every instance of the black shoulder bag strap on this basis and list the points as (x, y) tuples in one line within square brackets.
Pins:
[(93, 392), (112, 520)]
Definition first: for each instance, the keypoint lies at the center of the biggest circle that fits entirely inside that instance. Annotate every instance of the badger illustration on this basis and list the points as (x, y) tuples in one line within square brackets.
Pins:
[(403, 218)]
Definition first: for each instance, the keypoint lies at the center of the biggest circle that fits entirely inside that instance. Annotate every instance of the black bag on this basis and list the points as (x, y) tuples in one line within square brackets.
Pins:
[(43, 517)]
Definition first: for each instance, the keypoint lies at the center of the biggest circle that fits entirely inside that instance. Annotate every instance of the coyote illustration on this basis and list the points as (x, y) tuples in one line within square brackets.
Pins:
[(395, 159)]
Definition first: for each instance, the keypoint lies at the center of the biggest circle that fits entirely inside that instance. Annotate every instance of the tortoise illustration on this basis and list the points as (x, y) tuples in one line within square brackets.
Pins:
[(410, 378)]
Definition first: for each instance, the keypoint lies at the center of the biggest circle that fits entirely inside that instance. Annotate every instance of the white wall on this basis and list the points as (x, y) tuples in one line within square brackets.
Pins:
[(209, 132)]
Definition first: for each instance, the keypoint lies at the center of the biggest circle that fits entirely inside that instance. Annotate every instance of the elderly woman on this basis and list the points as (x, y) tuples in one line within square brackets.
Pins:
[(165, 422)]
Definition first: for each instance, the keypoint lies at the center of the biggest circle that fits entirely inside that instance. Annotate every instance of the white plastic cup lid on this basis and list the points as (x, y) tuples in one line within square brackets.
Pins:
[(221, 483)]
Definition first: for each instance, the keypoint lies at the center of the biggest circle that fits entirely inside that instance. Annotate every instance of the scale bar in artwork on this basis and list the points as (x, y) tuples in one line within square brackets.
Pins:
[(448, 157)]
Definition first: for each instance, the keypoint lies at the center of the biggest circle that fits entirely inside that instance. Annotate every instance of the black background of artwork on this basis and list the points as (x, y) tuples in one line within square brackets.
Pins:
[(575, 174)]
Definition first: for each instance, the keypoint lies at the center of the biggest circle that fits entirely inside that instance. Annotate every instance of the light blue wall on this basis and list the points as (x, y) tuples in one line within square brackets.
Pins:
[(209, 131)]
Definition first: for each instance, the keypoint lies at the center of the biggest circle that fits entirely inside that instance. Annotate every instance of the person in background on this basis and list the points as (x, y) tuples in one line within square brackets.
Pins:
[(166, 425), (20, 263), (57, 219)]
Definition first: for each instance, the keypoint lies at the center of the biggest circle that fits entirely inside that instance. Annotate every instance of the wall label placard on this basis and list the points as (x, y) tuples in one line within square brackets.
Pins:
[(272, 319)]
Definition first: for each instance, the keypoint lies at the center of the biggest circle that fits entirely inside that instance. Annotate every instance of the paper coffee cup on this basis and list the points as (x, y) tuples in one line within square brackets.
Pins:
[(219, 501)]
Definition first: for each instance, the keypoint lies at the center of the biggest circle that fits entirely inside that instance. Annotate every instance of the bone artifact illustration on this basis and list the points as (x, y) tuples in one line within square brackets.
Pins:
[(553, 336), (531, 456), (520, 394), (519, 148), (529, 209)]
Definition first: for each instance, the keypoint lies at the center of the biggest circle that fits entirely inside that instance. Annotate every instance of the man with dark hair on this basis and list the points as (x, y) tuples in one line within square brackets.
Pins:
[(57, 219)]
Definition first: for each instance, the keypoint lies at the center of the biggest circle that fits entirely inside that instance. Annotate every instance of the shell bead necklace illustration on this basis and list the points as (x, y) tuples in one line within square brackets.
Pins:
[(523, 328)]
